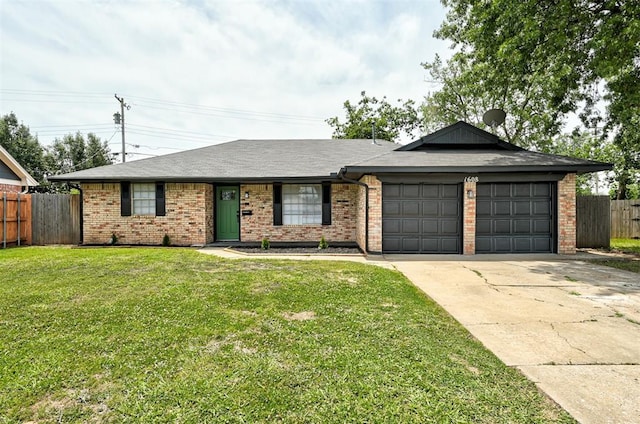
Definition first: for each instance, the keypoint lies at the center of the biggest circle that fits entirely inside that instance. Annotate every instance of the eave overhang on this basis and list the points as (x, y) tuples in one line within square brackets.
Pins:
[(210, 180)]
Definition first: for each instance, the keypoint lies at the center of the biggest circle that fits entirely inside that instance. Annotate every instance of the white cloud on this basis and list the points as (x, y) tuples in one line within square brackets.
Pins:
[(294, 58)]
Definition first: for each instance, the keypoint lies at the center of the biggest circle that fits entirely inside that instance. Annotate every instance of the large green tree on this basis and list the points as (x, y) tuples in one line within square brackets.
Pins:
[(73, 153), (468, 88), (372, 116), (582, 43), (16, 138), (584, 55)]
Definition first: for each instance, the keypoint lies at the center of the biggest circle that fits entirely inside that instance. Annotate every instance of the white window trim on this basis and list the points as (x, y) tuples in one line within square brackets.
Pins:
[(136, 207), (299, 208)]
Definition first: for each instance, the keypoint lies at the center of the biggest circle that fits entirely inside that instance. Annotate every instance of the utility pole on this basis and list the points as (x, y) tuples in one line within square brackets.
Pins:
[(120, 120)]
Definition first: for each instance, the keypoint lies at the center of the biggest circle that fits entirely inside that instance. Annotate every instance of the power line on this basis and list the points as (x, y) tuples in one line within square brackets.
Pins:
[(54, 101), (177, 137), (58, 134), (226, 110), (160, 104), (51, 132), (69, 125), (54, 93), (183, 131), (277, 118)]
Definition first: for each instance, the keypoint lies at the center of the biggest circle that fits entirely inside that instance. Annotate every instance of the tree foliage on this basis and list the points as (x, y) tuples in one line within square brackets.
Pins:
[(623, 182), (74, 153), (16, 138), (581, 42), (71, 153), (540, 61), (371, 115), (469, 88)]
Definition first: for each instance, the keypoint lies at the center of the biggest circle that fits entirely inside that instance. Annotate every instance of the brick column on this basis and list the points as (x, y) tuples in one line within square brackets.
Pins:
[(469, 219), (567, 215), (375, 213)]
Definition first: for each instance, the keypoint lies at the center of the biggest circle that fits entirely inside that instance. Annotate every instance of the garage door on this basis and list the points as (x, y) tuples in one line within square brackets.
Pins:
[(421, 218), (514, 218)]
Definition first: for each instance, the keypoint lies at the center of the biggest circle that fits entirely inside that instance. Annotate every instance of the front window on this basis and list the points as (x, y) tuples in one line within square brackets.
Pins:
[(301, 204), (144, 199)]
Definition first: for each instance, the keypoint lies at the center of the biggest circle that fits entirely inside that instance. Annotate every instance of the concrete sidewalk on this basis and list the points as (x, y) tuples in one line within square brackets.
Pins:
[(571, 327)]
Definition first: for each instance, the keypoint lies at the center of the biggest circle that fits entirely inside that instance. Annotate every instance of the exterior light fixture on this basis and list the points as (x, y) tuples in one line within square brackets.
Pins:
[(470, 194), (246, 194)]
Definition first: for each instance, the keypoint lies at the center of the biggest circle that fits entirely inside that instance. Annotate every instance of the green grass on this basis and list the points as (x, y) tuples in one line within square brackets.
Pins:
[(630, 246), (624, 264), (626, 245), (172, 335)]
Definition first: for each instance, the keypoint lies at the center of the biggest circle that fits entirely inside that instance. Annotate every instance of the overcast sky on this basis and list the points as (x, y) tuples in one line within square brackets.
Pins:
[(203, 72)]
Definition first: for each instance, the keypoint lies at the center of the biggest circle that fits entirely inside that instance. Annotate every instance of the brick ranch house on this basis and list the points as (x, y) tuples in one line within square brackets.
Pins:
[(459, 190), (13, 177)]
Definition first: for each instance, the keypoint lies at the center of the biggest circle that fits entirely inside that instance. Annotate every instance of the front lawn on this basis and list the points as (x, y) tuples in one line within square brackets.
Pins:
[(172, 335)]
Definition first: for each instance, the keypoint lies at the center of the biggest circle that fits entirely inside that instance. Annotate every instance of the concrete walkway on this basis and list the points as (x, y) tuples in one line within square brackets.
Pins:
[(571, 327)]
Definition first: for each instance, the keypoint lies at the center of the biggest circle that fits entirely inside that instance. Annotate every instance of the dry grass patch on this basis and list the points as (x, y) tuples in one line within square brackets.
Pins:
[(299, 316)]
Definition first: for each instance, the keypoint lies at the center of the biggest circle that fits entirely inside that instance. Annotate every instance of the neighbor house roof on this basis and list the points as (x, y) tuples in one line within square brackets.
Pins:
[(458, 148), (12, 173)]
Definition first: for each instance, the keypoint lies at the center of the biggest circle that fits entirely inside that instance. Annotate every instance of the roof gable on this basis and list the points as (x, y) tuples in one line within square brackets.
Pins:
[(12, 166), (6, 173), (459, 136)]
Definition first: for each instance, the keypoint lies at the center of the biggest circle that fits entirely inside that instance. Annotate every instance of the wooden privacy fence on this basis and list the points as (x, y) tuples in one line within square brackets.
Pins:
[(593, 227), (15, 213), (56, 219), (625, 218)]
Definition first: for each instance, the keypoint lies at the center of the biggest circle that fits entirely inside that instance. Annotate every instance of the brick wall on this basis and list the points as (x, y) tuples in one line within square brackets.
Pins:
[(361, 214), (188, 217), (208, 213), (10, 188), (567, 215), (260, 224), (375, 213), (469, 219)]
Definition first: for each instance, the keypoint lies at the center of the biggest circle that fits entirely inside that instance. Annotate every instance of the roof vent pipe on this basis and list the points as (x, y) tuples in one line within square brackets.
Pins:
[(373, 133)]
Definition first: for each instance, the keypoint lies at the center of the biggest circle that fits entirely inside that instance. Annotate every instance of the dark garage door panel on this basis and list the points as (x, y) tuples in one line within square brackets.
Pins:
[(514, 218), (421, 218)]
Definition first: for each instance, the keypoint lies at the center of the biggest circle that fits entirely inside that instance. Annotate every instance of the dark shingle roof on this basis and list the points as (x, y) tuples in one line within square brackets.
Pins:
[(242, 160), (459, 148), (473, 160)]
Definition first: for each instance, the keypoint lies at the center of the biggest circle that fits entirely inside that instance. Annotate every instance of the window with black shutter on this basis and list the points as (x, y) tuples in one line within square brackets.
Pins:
[(277, 204), (125, 198), (142, 199), (326, 203)]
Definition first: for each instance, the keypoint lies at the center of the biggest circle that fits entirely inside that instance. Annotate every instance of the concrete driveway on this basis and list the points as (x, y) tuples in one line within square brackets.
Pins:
[(571, 327)]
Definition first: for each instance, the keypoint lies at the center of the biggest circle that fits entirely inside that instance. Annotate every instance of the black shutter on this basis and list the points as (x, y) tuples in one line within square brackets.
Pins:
[(160, 210), (326, 203), (125, 198), (277, 204)]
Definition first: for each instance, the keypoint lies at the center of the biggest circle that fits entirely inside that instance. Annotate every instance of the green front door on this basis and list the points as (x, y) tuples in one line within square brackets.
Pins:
[(227, 213)]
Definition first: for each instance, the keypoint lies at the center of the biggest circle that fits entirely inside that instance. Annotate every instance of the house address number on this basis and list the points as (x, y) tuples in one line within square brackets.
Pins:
[(471, 179)]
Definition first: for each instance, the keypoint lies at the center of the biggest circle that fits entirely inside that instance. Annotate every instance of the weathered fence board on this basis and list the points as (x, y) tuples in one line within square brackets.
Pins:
[(625, 218), (593, 228), (15, 219), (56, 219)]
